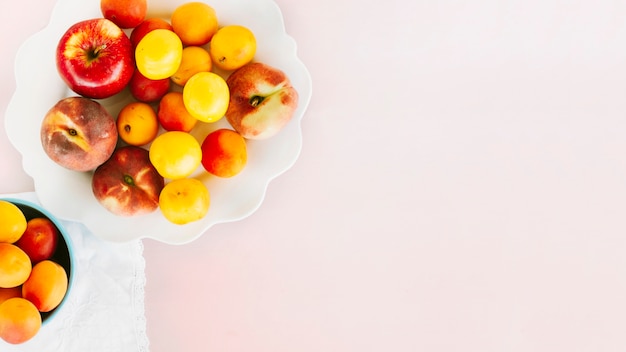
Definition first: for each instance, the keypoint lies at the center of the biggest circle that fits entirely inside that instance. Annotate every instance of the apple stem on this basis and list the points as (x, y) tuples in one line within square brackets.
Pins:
[(73, 132), (93, 53), (256, 100)]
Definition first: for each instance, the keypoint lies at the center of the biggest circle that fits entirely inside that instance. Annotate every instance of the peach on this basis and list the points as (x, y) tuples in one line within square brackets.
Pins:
[(19, 320), (172, 114), (127, 184), (15, 266), (262, 100), (224, 153), (46, 285), (78, 133)]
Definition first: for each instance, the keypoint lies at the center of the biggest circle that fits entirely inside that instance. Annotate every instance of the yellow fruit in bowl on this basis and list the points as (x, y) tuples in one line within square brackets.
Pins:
[(195, 22), (15, 265), (206, 96), (232, 47), (12, 222), (184, 200), (137, 124), (175, 154), (158, 54)]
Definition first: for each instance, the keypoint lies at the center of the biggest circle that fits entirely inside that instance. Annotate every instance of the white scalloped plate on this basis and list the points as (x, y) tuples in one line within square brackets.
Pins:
[(67, 194)]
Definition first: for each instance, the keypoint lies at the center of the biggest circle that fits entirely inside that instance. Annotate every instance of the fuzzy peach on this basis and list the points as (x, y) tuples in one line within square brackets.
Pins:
[(262, 100), (127, 184), (78, 133)]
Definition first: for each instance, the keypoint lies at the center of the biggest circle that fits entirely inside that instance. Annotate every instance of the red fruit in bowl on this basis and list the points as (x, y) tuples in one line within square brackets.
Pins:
[(40, 239), (95, 58), (147, 90), (147, 26), (124, 13)]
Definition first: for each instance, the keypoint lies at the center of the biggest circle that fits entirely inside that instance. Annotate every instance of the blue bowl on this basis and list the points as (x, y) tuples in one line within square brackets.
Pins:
[(63, 254)]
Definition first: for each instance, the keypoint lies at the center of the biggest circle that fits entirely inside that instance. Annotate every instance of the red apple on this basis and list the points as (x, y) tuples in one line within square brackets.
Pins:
[(262, 100), (39, 240), (148, 90), (78, 133), (95, 58), (124, 13), (127, 184), (146, 26)]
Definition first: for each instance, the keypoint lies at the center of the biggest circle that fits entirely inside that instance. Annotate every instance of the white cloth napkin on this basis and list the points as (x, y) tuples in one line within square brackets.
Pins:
[(105, 307)]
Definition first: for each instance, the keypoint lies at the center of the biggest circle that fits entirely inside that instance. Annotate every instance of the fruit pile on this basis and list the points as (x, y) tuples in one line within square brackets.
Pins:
[(180, 72), (32, 280)]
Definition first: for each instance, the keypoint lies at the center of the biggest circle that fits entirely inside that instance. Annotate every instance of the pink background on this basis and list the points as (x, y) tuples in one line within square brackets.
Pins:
[(462, 187)]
